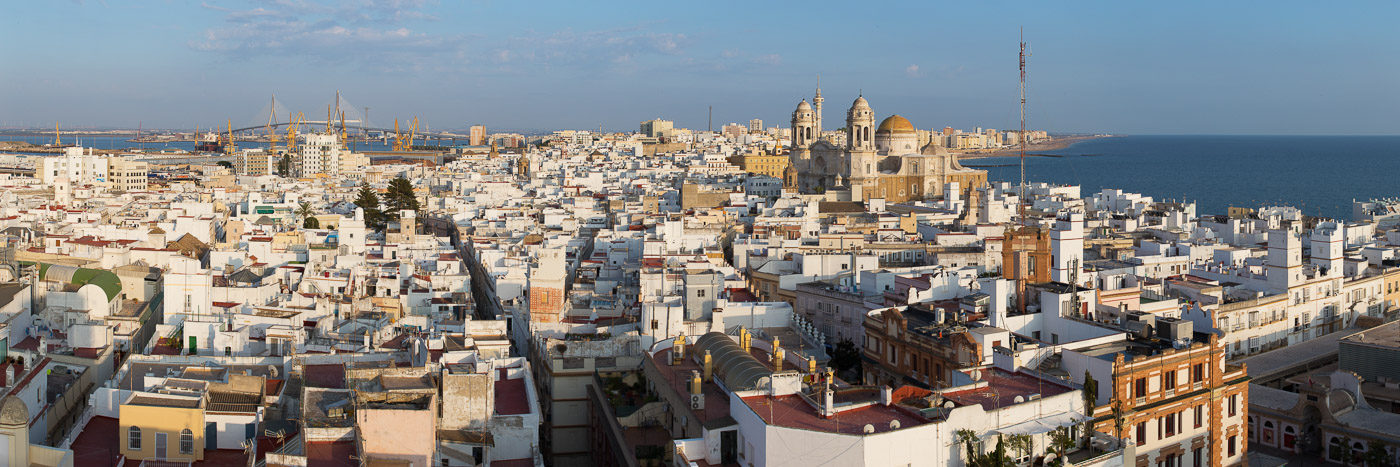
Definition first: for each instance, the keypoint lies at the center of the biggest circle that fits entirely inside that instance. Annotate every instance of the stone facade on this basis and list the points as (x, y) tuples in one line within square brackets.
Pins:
[(885, 162)]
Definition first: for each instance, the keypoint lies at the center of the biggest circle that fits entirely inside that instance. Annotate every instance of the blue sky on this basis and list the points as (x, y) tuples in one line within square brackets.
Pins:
[(1120, 67)]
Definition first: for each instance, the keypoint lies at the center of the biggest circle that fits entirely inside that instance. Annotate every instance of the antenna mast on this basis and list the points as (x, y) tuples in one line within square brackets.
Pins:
[(1022, 200)]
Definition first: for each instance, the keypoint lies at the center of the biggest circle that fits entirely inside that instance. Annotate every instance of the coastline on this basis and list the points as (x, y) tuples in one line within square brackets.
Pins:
[(1059, 143)]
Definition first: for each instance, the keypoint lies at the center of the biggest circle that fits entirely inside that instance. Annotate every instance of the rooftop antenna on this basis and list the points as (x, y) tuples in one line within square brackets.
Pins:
[(1022, 201)]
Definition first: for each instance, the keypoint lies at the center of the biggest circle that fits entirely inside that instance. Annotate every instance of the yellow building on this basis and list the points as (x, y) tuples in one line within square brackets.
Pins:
[(762, 163), (162, 427)]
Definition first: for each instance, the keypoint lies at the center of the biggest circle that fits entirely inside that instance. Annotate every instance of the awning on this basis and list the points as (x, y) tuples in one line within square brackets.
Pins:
[(1042, 424)]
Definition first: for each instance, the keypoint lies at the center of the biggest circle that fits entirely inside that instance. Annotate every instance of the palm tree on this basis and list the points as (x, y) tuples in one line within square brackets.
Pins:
[(1061, 441), (304, 211)]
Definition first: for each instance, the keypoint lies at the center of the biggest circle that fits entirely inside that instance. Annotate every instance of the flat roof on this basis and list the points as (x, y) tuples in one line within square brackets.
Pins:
[(173, 402), (1293, 355), (792, 411), (1003, 388)]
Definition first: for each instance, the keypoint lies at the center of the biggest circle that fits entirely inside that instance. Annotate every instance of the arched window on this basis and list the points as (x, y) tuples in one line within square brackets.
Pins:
[(186, 441), (133, 438)]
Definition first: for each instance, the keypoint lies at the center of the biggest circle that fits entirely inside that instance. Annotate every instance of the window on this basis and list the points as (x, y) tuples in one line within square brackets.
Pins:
[(186, 441), (1198, 373), (1140, 388), (1233, 399), (1198, 456), (1198, 418), (1230, 451), (1169, 380), (1171, 425), (1141, 433), (133, 438)]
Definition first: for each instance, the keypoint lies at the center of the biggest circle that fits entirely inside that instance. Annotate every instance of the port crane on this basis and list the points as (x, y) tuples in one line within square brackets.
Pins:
[(404, 142), (229, 146)]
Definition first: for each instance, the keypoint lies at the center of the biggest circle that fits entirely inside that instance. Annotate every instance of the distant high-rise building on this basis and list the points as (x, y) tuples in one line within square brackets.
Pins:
[(948, 131), (478, 135), (733, 131), (657, 128), (756, 125)]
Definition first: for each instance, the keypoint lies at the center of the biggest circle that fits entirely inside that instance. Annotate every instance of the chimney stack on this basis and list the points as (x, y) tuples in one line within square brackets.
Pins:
[(678, 350), (886, 395), (745, 339), (828, 403), (709, 367), (695, 383), (777, 356)]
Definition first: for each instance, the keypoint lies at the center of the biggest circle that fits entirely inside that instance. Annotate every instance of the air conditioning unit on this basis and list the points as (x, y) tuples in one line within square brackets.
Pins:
[(697, 402)]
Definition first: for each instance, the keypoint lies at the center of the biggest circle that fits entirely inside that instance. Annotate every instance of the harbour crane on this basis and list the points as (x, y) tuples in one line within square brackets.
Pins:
[(404, 142), (230, 147), (294, 122)]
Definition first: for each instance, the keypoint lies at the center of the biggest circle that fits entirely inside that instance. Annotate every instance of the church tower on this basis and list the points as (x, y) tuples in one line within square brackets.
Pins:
[(803, 123), (817, 106), (860, 123)]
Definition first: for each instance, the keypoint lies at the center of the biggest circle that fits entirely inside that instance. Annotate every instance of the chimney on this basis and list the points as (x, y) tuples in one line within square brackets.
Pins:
[(777, 356), (745, 339), (43, 346), (886, 395), (695, 383), (709, 367), (678, 350), (812, 364), (828, 403)]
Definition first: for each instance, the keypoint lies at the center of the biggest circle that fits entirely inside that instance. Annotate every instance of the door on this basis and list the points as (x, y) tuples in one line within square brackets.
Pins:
[(160, 446), (729, 447), (211, 436)]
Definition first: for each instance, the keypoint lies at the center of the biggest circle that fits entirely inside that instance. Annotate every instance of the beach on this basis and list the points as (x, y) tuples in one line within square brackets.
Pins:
[(1058, 143)]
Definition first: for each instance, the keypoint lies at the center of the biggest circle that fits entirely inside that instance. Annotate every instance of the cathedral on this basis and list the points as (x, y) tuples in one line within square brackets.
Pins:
[(877, 162)]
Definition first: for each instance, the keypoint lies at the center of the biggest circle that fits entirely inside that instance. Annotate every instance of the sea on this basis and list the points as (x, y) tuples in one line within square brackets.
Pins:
[(1320, 175)]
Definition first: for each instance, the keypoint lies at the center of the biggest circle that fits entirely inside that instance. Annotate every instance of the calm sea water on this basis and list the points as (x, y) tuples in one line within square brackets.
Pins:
[(1319, 174)]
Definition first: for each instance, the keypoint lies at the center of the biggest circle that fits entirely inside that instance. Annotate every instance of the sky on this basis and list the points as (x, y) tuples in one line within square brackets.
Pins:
[(1248, 67)]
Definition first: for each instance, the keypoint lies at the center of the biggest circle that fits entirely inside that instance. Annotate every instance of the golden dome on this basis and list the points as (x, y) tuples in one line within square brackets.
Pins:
[(896, 124)]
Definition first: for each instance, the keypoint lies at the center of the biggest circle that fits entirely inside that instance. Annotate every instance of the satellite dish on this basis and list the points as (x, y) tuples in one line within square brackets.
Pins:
[(272, 371), (894, 424), (868, 429), (1020, 399), (976, 375), (947, 404)]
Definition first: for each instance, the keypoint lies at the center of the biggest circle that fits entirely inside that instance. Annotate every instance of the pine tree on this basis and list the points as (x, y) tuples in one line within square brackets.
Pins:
[(401, 196), (367, 200)]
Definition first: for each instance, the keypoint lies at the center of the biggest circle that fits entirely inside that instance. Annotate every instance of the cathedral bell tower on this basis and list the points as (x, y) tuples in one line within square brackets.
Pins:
[(860, 124), (817, 101), (803, 126)]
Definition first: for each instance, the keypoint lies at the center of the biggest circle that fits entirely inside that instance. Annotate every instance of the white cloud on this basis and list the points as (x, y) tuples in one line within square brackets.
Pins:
[(770, 59), (913, 72)]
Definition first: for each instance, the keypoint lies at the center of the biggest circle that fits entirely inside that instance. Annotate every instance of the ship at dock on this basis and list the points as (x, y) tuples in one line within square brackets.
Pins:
[(209, 142)]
